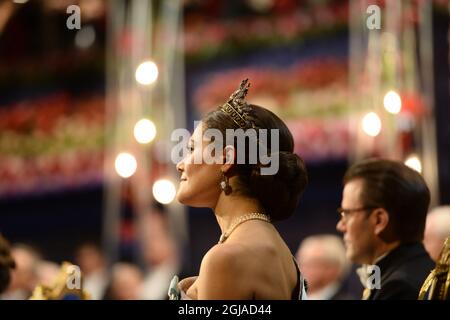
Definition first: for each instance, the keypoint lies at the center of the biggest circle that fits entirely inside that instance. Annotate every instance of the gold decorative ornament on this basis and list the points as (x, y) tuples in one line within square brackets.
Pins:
[(237, 108), (437, 284), (225, 184), (366, 294), (240, 220), (67, 286)]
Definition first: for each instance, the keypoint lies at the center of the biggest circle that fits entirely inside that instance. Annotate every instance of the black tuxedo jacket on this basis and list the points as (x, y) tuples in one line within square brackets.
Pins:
[(403, 272)]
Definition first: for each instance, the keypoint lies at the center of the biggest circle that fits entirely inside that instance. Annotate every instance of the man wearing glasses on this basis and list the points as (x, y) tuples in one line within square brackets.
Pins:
[(384, 207)]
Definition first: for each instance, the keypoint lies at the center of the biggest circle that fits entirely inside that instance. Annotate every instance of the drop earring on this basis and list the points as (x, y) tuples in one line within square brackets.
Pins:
[(225, 184)]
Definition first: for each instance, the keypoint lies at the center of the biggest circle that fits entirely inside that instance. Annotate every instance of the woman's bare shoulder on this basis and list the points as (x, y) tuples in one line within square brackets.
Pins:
[(222, 273), (237, 261), (225, 255)]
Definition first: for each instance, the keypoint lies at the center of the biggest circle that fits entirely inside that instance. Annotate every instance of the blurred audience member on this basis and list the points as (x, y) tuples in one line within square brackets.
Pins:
[(324, 265), (47, 272), (24, 277), (92, 263), (125, 283), (437, 229), (160, 255), (384, 207), (6, 264)]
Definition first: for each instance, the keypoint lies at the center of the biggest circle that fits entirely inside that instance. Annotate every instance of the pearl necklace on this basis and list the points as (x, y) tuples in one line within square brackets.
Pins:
[(242, 219)]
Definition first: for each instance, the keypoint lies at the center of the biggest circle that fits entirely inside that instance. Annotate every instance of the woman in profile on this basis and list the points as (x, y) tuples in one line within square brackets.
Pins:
[(251, 260)]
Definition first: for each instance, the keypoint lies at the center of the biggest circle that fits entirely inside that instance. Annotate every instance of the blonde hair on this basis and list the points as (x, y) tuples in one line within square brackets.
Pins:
[(441, 220), (333, 248)]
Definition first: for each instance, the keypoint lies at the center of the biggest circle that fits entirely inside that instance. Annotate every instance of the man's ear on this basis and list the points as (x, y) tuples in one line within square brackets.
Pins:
[(381, 217), (229, 156)]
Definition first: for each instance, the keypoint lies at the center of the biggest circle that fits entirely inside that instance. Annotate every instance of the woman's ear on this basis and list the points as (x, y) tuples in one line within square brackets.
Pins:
[(381, 217), (229, 156)]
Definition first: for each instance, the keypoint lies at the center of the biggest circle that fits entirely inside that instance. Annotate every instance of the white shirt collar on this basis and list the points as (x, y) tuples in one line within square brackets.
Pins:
[(325, 293)]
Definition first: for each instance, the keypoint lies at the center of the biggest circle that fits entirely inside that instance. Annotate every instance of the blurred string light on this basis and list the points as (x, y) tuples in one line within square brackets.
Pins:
[(146, 73), (414, 162), (392, 102), (390, 42), (164, 191), (261, 5), (92, 9), (144, 131), (20, 1), (125, 164), (85, 37), (371, 124)]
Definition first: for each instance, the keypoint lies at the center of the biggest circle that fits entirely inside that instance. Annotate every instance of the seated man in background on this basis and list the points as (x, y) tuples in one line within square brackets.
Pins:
[(437, 229), (384, 207), (47, 272), (92, 263), (24, 277), (125, 282), (159, 253), (323, 263)]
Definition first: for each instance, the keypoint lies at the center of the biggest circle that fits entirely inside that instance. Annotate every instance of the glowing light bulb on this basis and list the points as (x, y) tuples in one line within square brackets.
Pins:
[(85, 37), (144, 131), (164, 191), (392, 102), (414, 162), (125, 164), (146, 73), (371, 124)]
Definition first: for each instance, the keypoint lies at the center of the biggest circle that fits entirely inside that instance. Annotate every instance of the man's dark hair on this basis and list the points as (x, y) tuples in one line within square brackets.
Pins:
[(398, 189)]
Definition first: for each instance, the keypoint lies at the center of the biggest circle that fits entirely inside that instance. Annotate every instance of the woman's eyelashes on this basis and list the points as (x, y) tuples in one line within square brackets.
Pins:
[(191, 147)]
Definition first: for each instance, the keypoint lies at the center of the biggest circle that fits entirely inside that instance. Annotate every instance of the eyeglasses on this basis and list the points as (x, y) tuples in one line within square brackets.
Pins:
[(345, 213)]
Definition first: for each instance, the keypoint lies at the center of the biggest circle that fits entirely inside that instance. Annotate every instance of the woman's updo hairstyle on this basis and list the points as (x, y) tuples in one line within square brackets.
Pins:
[(280, 193)]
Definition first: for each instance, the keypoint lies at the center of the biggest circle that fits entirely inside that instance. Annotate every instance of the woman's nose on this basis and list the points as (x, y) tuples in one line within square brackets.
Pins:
[(180, 166)]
